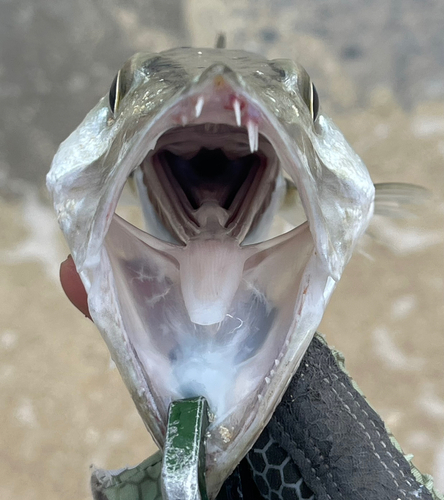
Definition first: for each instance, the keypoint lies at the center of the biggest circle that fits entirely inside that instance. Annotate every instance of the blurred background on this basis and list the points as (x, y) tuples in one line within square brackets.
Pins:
[(379, 69)]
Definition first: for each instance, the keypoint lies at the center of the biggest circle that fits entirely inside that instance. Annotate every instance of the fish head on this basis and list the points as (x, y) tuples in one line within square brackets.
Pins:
[(222, 292)]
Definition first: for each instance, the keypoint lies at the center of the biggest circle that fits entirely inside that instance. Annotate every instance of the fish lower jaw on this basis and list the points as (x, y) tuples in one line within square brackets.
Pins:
[(211, 318), (183, 340)]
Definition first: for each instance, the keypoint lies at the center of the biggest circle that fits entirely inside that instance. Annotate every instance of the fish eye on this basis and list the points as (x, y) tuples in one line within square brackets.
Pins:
[(314, 102), (114, 94), (121, 85), (117, 90)]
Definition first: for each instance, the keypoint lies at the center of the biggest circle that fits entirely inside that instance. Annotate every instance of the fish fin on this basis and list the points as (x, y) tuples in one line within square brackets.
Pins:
[(399, 200), (398, 224)]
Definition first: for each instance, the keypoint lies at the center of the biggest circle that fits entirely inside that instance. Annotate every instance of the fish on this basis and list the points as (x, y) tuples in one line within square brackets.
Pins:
[(253, 203)]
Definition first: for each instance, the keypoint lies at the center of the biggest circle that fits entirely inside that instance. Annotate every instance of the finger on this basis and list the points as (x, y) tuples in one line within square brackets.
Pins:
[(73, 286)]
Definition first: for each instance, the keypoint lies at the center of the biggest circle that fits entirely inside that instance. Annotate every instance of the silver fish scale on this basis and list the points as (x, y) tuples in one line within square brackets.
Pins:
[(275, 474)]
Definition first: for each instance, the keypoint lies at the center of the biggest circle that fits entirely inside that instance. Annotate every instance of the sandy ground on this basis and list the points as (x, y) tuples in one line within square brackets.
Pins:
[(379, 70)]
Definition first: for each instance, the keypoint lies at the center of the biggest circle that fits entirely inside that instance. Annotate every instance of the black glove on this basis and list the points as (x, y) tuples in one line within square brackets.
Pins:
[(325, 442)]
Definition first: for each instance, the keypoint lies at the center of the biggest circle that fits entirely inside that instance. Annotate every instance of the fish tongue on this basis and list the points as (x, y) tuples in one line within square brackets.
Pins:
[(210, 274), (211, 268)]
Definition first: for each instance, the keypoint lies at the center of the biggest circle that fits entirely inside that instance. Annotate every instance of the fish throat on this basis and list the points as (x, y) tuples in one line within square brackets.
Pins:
[(202, 180)]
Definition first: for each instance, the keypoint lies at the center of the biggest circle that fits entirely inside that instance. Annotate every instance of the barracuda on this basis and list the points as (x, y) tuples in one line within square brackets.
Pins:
[(253, 205)]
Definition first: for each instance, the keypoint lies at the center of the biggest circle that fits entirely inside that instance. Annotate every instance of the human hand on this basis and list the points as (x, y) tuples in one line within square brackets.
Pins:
[(73, 286)]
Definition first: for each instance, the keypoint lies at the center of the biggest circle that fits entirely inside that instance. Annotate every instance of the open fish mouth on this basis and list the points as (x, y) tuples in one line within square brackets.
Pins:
[(201, 291), (253, 203)]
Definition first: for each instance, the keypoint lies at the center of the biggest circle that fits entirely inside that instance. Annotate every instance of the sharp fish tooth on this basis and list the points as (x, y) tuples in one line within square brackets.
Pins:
[(237, 112), (199, 106), (253, 135)]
